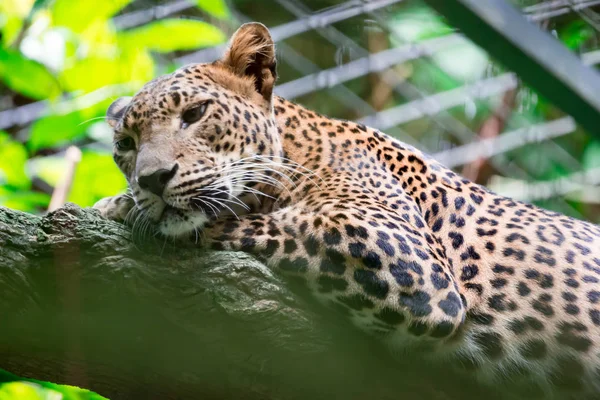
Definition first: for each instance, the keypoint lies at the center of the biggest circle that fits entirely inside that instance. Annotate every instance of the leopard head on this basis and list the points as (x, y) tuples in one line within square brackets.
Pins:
[(188, 142)]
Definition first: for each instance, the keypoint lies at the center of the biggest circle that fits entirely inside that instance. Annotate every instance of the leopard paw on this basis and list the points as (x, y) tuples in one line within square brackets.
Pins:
[(115, 208)]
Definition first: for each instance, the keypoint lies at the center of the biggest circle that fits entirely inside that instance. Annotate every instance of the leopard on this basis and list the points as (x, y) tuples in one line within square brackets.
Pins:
[(406, 249)]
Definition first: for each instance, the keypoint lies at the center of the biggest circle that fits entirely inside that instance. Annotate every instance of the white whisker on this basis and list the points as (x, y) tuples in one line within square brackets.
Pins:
[(213, 208), (91, 119), (222, 205), (233, 198), (257, 192)]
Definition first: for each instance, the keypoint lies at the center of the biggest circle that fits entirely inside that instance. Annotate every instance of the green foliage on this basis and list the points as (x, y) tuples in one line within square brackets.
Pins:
[(216, 8), (460, 62), (575, 34), (591, 156), (15, 183), (132, 66), (71, 120), (97, 176), (418, 23), (12, 17), (55, 131), (33, 79), (173, 34), (12, 388), (79, 15), (13, 158), (24, 200)]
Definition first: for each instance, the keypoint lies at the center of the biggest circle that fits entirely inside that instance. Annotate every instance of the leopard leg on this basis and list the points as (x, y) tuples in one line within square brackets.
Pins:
[(115, 208), (389, 276)]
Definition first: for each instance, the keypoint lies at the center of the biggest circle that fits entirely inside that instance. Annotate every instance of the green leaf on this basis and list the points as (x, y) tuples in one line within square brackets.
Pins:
[(23, 390), (173, 34), (90, 74), (50, 169), (13, 387), (70, 120), (39, 4), (55, 131), (78, 15), (216, 8), (97, 176), (13, 158), (416, 24), (12, 16), (576, 34), (23, 200), (131, 65), (108, 62), (10, 29), (32, 80), (18, 8), (591, 156)]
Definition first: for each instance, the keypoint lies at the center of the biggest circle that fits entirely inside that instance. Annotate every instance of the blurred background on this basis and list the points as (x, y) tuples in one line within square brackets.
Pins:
[(395, 65)]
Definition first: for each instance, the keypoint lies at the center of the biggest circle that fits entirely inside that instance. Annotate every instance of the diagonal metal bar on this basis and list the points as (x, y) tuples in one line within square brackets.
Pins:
[(440, 101), (332, 15), (140, 17), (543, 190), (534, 55), (402, 87), (441, 118), (25, 114), (362, 66), (552, 5), (305, 67), (586, 14), (488, 148), (545, 11), (457, 129)]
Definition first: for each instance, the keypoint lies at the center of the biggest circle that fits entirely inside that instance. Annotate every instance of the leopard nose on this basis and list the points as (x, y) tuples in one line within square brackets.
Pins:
[(157, 180)]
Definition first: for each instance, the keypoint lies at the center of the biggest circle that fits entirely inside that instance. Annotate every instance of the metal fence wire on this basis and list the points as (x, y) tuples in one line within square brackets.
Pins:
[(392, 65)]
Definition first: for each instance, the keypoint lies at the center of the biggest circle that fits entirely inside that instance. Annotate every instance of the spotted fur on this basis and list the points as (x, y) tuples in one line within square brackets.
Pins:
[(406, 248)]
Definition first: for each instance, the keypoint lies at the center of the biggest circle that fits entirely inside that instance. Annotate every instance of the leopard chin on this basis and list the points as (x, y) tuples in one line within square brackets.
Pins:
[(179, 223)]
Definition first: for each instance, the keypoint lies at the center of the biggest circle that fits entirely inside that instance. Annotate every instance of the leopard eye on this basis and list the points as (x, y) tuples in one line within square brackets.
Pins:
[(125, 144), (193, 114)]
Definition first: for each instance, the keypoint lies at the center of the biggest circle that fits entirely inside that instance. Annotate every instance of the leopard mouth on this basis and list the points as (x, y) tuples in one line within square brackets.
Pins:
[(172, 211), (210, 208), (193, 214), (179, 222)]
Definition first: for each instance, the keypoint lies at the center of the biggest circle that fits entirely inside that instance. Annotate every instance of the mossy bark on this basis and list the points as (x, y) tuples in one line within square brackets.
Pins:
[(82, 304)]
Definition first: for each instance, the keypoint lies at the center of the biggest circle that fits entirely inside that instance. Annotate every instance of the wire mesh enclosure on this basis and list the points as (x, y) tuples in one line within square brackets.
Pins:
[(399, 66)]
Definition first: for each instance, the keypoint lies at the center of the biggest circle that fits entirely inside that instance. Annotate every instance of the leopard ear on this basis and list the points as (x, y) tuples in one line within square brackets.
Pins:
[(116, 111), (251, 53)]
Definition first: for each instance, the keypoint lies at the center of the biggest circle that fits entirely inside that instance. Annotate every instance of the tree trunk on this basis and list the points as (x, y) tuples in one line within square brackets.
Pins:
[(83, 304)]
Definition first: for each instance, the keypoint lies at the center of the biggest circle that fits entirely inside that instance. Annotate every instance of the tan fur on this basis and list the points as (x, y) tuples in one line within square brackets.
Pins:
[(247, 42), (252, 43), (407, 249), (242, 85)]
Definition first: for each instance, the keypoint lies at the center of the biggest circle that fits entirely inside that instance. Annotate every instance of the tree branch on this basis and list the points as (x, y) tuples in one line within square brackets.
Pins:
[(83, 304)]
